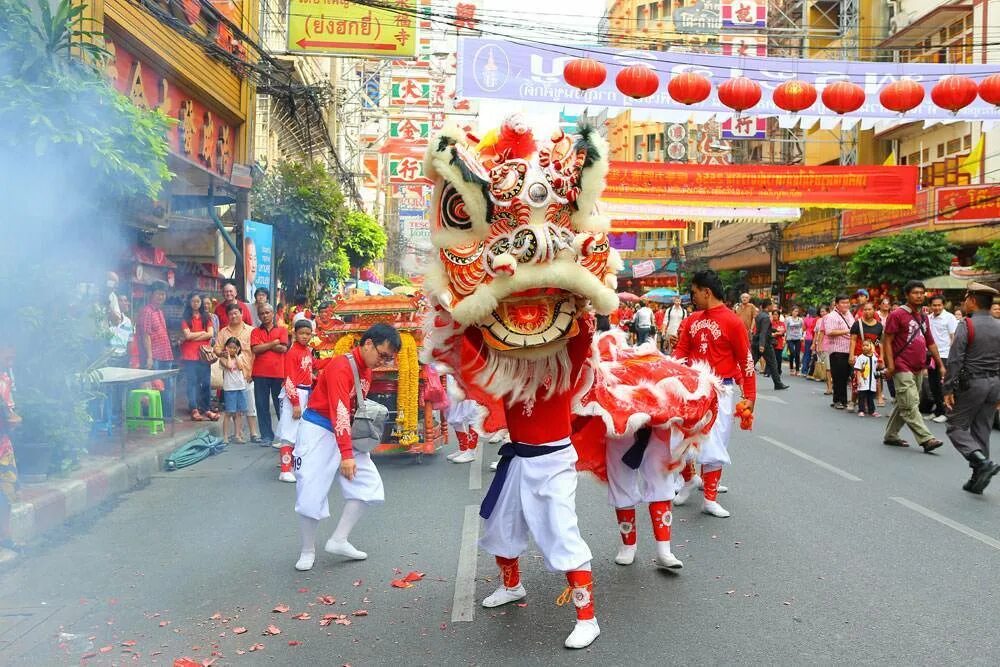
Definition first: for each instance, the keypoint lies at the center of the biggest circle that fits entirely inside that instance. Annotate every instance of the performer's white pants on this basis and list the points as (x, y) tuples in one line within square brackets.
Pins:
[(714, 450), (316, 460), (288, 426), (651, 482), (539, 500)]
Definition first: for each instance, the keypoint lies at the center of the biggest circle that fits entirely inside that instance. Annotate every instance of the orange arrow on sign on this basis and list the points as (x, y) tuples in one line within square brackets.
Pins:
[(306, 43)]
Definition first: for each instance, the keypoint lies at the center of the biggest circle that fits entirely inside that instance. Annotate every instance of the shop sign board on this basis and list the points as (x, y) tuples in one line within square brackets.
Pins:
[(743, 44), (341, 27), (258, 257), (410, 128), (700, 18), (410, 91), (968, 204), (744, 127), (744, 14), (406, 169), (874, 222)]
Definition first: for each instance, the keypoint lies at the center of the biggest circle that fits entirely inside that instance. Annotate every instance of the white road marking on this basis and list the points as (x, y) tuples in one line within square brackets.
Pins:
[(960, 527), (464, 605), (476, 470), (812, 459), (773, 399)]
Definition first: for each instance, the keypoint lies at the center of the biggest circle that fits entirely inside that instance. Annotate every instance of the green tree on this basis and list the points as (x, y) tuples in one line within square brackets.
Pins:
[(364, 239), (910, 255), (307, 210), (988, 257), (396, 280), (816, 281)]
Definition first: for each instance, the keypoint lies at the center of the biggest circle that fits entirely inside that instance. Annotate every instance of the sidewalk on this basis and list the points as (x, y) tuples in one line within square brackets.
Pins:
[(42, 507)]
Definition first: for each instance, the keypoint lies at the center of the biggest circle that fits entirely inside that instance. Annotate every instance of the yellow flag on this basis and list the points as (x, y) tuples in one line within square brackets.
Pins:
[(891, 160), (970, 165)]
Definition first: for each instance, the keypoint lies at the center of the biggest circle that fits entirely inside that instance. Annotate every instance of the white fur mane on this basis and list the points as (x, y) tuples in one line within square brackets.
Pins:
[(516, 379)]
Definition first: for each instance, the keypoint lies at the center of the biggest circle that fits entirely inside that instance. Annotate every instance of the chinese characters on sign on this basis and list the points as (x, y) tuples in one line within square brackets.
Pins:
[(410, 129), (750, 14), (410, 91), (406, 169), (352, 28)]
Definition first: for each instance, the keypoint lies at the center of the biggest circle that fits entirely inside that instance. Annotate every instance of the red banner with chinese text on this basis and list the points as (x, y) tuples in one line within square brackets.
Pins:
[(646, 225), (872, 222), (849, 187), (968, 204)]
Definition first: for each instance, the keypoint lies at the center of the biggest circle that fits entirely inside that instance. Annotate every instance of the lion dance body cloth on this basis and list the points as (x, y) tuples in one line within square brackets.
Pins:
[(522, 260)]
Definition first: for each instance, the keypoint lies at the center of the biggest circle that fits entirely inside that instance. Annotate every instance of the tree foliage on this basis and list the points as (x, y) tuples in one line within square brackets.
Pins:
[(61, 117), (396, 280), (306, 208), (909, 255), (988, 257), (816, 281), (364, 239)]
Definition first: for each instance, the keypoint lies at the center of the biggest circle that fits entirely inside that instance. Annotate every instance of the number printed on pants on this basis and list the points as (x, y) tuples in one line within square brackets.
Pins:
[(297, 462)]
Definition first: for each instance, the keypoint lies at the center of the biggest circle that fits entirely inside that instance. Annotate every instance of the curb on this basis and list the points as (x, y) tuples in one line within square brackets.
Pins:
[(65, 499)]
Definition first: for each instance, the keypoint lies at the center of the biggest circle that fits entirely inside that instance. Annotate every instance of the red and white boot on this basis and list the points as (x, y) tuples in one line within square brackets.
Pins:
[(711, 489), (510, 588), (285, 458), (581, 592), (690, 480), (466, 447), (662, 517), (626, 526)]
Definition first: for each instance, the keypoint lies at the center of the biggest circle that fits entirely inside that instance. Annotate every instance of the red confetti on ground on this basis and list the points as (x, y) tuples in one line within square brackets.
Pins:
[(343, 621), (294, 643), (164, 624), (303, 590), (257, 647), (208, 662), (304, 616), (106, 649), (444, 626), (280, 609), (272, 630), (401, 583), (360, 612), (414, 576), (239, 652), (326, 599), (128, 642), (357, 582), (239, 631), (522, 604), (215, 617), (186, 662)]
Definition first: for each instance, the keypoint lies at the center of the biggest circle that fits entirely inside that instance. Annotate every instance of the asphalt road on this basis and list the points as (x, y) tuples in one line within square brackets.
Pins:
[(839, 551)]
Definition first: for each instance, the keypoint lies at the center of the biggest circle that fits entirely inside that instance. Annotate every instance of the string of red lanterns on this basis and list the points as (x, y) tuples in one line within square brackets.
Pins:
[(953, 93)]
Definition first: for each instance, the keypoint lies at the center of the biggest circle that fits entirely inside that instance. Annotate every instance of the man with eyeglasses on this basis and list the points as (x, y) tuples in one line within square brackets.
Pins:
[(972, 386), (323, 450)]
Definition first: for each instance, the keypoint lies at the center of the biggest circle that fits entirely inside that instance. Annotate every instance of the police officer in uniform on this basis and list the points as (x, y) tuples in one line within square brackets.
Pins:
[(972, 385)]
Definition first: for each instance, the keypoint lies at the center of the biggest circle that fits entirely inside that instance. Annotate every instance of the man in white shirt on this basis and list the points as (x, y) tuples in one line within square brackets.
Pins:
[(943, 327), (643, 322), (672, 321)]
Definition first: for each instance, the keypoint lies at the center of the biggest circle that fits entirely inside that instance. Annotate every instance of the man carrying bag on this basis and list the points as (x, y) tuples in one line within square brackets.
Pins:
[(336, 435)]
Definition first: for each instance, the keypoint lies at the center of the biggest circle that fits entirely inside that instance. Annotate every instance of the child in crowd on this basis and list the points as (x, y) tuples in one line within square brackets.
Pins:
[(866, 376), (235, 374), (294, 394)]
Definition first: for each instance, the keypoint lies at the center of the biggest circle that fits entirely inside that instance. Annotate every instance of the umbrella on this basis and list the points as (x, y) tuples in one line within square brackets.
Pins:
[(627, 296), (661, 295), (405, 290)]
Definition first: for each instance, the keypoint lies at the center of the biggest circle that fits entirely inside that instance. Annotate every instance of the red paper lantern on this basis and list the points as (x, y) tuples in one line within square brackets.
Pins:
[(843, 97), (584, 73), (637, 81), (740, 93), (794, 95), (689, 88), (989, 90), (901, 96), (954, 93)]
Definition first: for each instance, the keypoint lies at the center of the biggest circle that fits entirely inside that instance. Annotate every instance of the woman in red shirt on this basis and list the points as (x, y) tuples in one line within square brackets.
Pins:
[(197, 331), (778, 335)]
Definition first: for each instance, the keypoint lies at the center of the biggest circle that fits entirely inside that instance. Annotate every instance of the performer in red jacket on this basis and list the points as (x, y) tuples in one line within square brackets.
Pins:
[(323, 449), (294, 394), (716, 335)]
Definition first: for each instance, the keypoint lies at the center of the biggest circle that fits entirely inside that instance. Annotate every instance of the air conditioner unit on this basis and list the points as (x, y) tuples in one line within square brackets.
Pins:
[(638, 157)]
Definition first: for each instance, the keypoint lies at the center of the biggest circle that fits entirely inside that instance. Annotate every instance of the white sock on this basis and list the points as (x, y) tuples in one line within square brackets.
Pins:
[(353, 509), (307, 528)]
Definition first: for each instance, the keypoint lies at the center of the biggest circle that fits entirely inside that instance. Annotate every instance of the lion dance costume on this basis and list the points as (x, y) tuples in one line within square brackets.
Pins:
[(522, 257)]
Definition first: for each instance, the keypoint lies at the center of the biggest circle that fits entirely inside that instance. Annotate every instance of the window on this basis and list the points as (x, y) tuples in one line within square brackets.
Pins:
[(940, 150), (639, 149), (926, 156), (651, 142), (640, 17), (954, 146), (967, 141), (913, 158), (661, 236), (654, 11)]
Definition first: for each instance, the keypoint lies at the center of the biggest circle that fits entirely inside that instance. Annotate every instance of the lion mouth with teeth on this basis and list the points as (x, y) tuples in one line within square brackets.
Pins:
[(531, 319)]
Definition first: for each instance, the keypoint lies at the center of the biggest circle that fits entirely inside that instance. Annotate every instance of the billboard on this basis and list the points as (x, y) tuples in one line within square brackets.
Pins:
[(258, 258), (352, 28)]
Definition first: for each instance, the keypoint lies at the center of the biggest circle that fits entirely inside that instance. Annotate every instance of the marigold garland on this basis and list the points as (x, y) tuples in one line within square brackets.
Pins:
[(408, 396), (345, 344)]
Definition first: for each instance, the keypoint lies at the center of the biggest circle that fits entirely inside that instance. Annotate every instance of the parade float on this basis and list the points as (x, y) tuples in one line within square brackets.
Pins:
[(414, 425)]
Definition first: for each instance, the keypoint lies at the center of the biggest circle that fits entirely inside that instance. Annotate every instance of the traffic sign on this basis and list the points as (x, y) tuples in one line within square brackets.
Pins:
[(342, 27)]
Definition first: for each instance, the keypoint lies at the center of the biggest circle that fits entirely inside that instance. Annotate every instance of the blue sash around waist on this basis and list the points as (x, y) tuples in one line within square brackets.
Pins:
[(507, 453)]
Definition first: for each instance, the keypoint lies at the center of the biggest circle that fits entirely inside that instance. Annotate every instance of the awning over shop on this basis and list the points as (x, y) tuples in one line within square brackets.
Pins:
[(735, 247)]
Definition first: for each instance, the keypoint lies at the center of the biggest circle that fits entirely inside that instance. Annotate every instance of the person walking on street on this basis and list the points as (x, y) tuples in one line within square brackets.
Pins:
[(643, 323), (866, 329), (943, 327), (672, 322), (866, 371), (269, 343), (156, 348), (972, 385), (809, 333), (778, 331), (795, 333), (747, 312), (763, 343), (906, 342), (837, 336)]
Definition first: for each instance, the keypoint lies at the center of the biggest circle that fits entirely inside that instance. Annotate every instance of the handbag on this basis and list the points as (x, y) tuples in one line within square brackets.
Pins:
[(369, 419), (207, 354)]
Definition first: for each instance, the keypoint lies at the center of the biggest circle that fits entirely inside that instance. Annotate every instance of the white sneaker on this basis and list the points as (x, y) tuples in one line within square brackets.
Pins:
[(723, 489), (502, 595), (286, 477), (493, 466), (468, 456), (940, 419), (345, 549), (305, 561), (278, 444), (715, 509), (451, 457), (685, 493), (496, 439), (583, 634), (626, 554), (665, 558)]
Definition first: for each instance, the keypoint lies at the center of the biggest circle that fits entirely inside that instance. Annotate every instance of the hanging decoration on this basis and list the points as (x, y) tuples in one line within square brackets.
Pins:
[(739, 94), (637, 81), (584, 73), (689, 88), (794, 96), (902, 96), (843, 97), (954, 93), (408, 396), (989, 90)]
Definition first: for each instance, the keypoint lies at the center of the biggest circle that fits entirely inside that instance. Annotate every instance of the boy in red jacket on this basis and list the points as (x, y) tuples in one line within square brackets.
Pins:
[(294, 394)]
